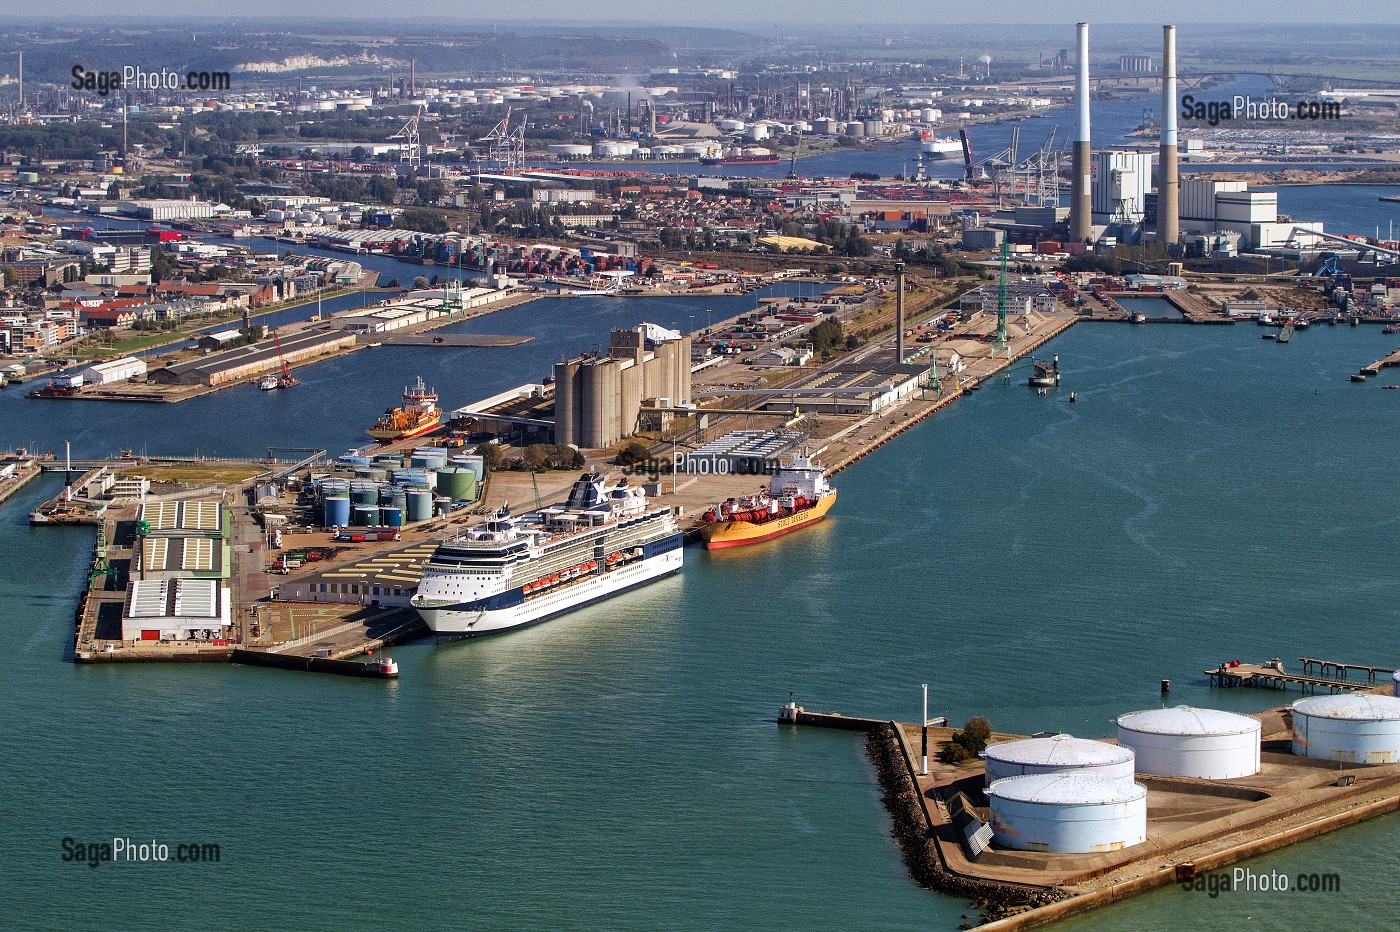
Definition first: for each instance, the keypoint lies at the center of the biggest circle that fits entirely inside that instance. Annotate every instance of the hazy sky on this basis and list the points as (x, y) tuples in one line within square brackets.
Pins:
[(737, 13)]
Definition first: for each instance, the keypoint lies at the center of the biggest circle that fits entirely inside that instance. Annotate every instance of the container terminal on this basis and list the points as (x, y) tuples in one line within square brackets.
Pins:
[(1036, 829)]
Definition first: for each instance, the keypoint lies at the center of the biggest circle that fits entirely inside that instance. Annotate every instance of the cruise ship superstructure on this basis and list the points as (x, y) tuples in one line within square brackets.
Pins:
[(515, 571)]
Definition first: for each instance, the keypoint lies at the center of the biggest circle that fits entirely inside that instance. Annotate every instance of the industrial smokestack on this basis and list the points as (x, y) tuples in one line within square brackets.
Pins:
[(1168, 184), (21, 82), (1080, 207)]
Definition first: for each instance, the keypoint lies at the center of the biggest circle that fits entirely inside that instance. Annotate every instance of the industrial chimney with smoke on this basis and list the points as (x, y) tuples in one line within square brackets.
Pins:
[(1168, 184), (1080, 219)]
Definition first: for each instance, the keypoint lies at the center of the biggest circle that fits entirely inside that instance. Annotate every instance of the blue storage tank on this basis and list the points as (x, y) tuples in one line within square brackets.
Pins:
[(392, 516), (337, 511)]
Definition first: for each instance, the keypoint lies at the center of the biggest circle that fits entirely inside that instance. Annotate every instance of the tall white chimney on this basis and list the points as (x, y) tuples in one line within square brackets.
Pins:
[(1168, 183), (1080, 207)]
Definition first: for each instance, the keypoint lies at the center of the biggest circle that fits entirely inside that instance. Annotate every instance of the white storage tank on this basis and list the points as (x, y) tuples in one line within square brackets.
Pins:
[(757, 132), (1069, 812), (1186, 742), (1057, 753), (1353, 729)]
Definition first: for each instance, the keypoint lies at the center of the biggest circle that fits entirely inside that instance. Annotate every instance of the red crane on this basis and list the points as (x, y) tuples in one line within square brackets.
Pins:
[(287, 380)]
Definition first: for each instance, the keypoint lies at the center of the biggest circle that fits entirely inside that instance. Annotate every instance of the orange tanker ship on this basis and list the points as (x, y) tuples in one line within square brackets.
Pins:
[(417, 415), (797, 496)]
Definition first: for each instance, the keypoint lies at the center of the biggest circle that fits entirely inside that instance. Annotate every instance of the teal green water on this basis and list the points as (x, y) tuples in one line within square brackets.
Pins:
[(1210, 496)]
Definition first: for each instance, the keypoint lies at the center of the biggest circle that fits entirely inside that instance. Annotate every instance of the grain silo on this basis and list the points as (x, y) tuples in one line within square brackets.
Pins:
[(1186, 742), (1069, 812)]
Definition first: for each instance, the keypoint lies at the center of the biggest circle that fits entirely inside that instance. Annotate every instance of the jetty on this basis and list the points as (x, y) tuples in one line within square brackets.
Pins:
[(1314, 677), (1385, 362)]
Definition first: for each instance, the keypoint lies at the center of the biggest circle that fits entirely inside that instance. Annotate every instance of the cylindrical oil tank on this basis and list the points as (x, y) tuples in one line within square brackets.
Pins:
[(442, 506), (1055, 754), (419, 505), (1361, 728), (386, 495), (1395, 683), (337, 511), (1187, 742), (453, 483), (364, 515), (392, 516), (364, 494), (1070, 812)]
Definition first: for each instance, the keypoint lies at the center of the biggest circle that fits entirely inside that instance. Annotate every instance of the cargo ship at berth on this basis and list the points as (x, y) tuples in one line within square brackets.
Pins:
[(517, 571), (797, 495), (417, 415)]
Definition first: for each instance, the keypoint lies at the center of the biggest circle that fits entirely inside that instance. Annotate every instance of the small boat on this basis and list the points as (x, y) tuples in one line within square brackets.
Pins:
[(1267, 336), (1358, 377), (1390, 386), (1138, 317), (1286, 333), (268, 383), (1391, 329), (1073, 397)]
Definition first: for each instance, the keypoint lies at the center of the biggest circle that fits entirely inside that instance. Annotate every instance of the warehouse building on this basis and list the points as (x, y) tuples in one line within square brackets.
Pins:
[(116, 370), (249, 361), (176, 610), (598, 400)]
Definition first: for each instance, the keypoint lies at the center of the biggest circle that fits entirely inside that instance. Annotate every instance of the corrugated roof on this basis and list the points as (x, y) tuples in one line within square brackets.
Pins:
[(1185, 720), (1067, 788), (1059, 750), (1358, 706)]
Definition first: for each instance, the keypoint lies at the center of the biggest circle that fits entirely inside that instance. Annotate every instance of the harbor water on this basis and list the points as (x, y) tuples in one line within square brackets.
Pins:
[(1210, 496), (340, 397)]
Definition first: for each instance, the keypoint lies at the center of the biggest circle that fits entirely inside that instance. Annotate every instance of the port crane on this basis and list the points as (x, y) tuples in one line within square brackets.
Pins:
[(287, 380), (1001, 343), (411, 152), (506, 146)]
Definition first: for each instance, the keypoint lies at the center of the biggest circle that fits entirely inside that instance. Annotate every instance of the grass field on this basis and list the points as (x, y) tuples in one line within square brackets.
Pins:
[(195, 473)]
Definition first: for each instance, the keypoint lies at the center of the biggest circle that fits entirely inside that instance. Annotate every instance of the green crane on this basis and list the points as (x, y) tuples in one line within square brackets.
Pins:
[(1001, 343)]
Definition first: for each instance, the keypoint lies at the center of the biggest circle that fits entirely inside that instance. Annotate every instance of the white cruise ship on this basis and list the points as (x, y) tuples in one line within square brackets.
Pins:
[(515, 571)]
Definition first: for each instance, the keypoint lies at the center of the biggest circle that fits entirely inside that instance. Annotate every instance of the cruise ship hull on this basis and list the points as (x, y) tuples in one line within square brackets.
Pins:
[(721, 534), (512, 610)]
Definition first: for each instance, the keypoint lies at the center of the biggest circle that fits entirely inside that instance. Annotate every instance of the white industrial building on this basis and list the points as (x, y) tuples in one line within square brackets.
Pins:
[(1119, 190), (157, 209), (1185, 742), (1057, 753), (1209, 206), (1351, 729), (176, 609), (1069, 812), (116, 370)]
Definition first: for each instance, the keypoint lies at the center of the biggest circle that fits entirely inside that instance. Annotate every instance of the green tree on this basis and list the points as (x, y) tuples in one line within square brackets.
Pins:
[(491, 455), (11, 276), (633, 453)]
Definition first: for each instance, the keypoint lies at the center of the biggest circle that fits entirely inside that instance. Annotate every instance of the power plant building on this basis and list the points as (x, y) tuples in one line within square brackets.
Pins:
[(598, 400), (1120, 186)]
